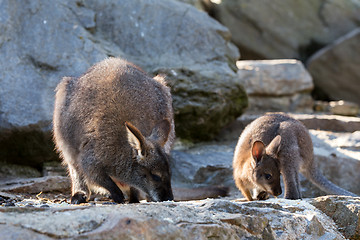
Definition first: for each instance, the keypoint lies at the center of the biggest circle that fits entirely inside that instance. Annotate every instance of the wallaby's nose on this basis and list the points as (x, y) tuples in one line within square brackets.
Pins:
[(170, 197)]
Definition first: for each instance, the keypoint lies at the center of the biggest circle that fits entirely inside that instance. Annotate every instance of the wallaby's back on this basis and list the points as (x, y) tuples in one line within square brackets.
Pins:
[(110, 93)]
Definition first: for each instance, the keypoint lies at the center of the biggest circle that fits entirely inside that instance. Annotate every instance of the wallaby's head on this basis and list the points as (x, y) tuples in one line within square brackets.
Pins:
[(266, 171), (152, 163)]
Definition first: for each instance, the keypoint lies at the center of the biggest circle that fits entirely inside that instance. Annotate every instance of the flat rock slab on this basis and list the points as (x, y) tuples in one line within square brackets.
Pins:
[(220, 219), (36, 185), (326, 122)]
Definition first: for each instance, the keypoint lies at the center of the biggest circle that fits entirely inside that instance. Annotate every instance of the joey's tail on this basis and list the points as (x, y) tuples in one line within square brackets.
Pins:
[(316, 177)]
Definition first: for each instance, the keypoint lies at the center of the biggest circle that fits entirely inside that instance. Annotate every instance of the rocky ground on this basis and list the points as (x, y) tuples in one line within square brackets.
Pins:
[(323, 217), (38, 208)]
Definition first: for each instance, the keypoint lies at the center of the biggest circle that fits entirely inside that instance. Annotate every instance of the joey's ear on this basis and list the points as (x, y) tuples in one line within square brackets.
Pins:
[(274, 146), (160, 132), (135, 138), (258, 150)]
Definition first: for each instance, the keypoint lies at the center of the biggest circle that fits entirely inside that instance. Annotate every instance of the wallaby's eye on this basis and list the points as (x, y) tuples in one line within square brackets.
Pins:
[(155, 177), (268, 176)]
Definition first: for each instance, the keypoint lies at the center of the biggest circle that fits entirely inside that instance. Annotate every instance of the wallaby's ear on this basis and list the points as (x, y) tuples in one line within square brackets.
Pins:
[(274, 146), (160, 132), (258, 150), (135, 138)]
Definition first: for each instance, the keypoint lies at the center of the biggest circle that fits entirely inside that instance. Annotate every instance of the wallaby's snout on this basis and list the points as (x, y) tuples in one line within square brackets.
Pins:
[(164, 193)]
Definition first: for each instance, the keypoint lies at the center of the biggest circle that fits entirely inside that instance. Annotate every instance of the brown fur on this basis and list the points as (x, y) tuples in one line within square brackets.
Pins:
[(114, 127), (277, 144)]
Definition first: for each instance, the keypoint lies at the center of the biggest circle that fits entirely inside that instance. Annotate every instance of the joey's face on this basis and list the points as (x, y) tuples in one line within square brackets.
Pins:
[(267, 175), (156, 176)]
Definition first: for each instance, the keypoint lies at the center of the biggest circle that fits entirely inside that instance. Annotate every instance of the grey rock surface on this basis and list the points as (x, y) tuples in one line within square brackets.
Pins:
[(274, 77), (286, 29), (221, 219), (276, 85), (335, 68)]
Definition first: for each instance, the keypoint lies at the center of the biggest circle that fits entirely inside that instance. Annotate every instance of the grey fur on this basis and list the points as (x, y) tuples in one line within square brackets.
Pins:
[(97, 119), (277, 144)]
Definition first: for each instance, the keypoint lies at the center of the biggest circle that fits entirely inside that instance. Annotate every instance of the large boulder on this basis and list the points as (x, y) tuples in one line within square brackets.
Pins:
[(286, 29), (276, 85), (43, 41), (335, 68)]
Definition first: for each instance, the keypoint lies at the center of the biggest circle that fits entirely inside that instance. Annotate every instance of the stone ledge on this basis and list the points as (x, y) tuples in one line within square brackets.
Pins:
[(218, 218)]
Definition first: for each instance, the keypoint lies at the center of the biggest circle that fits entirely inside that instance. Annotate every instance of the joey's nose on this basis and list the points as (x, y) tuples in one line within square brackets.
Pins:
[(277, 192)]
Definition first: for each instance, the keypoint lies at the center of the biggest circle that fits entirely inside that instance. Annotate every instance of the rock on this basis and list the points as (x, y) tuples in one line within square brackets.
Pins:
[(274, 77), (343, 54), (220, 219), (340, 82), (10, 171), (299, 102), (276, 85), (286, 29), (332, 123), (324, 122), (37, 185), (172, 37), (344, 211), (344, 108), (203, 165)]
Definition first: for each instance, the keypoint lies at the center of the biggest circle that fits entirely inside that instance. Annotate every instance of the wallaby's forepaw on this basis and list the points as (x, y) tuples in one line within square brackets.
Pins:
[(78, 198), (262, 196)]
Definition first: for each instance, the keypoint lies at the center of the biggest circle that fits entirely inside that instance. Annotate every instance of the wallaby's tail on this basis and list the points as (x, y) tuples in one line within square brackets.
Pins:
[(316, 177), (185, 194)]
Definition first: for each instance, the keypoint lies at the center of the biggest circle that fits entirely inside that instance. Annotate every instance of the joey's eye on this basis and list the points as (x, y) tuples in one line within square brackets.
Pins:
[(155, 177), (268, 176)]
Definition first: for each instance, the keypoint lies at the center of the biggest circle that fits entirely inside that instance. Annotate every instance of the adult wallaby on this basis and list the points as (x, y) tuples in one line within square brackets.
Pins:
[(114, 128), (277, 144)]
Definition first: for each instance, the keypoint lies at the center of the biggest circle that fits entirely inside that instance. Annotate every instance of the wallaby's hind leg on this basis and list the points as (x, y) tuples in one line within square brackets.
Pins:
[(134, 195), (79, 189)]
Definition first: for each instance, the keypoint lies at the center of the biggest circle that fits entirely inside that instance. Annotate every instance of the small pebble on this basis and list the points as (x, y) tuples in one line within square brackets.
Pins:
[(44, 206), (108, 203)]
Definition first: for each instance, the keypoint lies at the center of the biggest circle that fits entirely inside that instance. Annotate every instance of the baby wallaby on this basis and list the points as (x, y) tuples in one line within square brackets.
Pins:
[(114, 128), (277, 144)]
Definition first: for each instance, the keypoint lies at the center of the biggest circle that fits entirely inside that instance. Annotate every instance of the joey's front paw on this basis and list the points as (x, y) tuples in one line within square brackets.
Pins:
[(262, 196), (78, 198)]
